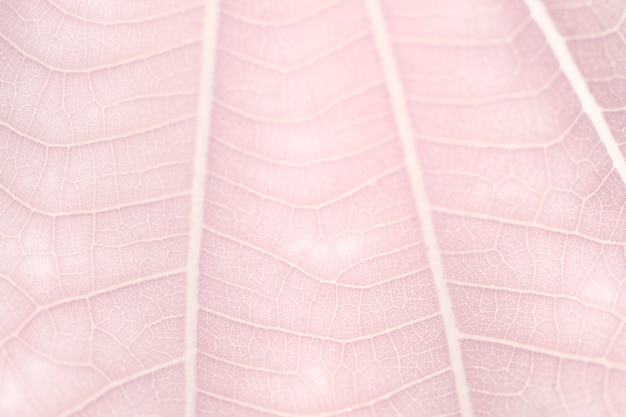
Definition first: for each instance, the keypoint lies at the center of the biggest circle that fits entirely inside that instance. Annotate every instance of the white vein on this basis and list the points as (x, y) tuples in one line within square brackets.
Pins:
[(211, 12), (424, 209), (578, 82)]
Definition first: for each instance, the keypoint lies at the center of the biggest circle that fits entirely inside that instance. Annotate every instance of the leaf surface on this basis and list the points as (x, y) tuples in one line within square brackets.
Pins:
[(348, 208)]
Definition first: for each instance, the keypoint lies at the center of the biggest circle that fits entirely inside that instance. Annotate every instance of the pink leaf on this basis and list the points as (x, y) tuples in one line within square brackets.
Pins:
[(353, 208)]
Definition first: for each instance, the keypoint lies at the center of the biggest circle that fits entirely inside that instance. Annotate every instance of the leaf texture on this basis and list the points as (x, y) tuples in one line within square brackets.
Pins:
[(303, 208)]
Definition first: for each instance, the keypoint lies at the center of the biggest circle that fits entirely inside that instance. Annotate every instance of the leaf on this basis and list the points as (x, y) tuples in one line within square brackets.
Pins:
[(348, 208)]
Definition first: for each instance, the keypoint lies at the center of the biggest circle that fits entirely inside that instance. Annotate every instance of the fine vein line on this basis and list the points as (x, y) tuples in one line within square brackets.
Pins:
[(570, 69), (200, 168), (407, 139)]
